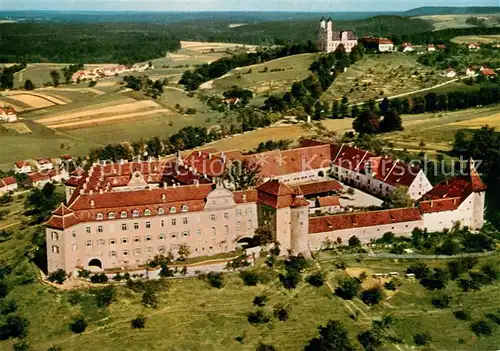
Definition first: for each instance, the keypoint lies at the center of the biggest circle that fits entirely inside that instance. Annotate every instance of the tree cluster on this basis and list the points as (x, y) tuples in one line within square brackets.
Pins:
[(151, 88)]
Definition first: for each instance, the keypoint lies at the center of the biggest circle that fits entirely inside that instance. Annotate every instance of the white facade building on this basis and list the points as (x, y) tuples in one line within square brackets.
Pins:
[(329, 40)]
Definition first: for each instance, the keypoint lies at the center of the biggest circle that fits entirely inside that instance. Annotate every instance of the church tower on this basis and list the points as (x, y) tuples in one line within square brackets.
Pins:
[(479, 194)]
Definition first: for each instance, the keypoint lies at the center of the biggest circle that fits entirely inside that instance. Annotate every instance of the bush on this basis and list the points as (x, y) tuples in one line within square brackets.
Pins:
[(462, 315), (8, 306), (79, 325), (260, 300), (372, 296), (249, 278), (421, 339), (370, 340), (99, 278), (290, 280), (493, 317), (58, 276), (21, 345), (14, 327), (257, 317), (442, 301), (316, 280), (4, 289), (420, 270), (393, 284), (215, 279), (348, 288), (149, 298), (105, 296), (282, 312), (481, 328), (139, 322)]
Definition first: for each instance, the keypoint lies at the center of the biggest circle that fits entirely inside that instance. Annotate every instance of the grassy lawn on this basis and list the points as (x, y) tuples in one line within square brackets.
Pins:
[(280, 75), (376, 76), (485, 39)]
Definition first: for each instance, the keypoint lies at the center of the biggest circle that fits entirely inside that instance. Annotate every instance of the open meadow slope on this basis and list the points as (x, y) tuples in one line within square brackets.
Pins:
[(483, 39), (459, 20), (376, 76), (274, 76)]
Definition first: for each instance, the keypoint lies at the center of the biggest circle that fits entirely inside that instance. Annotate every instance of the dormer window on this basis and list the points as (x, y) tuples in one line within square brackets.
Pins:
[(147, 212), (123, 214), (172, 209), (135, 213), (184, 208), (111, 215), (161, 211), (100, 216)]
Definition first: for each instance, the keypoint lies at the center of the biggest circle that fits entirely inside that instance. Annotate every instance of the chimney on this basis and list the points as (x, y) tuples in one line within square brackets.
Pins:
[(196, 182), (100, 191), (91, 192), (174, 185), (244, 197), (165, 185), (92, 203)]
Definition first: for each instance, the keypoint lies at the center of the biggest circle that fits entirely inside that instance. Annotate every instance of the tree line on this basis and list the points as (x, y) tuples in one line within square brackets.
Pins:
[(7, 75), (193, 79), (89, 43)]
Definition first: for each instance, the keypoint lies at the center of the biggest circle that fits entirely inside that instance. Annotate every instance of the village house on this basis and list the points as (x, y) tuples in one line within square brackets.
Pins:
[(450, 73), (487, 72), (40, 179), (44, 164), (329, 39), (378, 44), (8, 184), (407, 47), (431, 48), (474, 46), (470, 72), (22, 167), (8, 114), (122, 215)]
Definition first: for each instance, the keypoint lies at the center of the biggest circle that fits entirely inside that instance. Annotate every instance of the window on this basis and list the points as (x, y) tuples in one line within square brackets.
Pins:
[(214, 231), (125, 252), (238, 212), (172, 209), (161, 211), (226, 201), (162, 223), (174, 235), (198, 232), (213, 217), (100, 229), (135, 213), (111, 215), (55, 236), (213, 202), (147, 212), (185, 220), (161, 249), (112, 241), (148, 237), (186, 233), (124, 226), (55, 249), (174, 221), (184, 208), (87, 229), (161, 237), (136, 226), (249, 224), (226, 215), (75, 247), (238, 226), (137, 239), (100, 216), (150, 250), (124, 240), (148, 224), (123, 214), (249, 210), (112, 253), (89, 243), (101, 242), (137, 251), (73, 234), (226, 230)]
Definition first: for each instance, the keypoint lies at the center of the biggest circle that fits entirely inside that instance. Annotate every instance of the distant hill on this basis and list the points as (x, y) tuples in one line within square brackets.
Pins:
[(449, 10)]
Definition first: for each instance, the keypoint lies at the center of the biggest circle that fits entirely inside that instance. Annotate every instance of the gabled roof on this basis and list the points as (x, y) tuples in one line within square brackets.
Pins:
[(21, 164), (320, 187), (363, 219), (276, 188), (7, 181), (328, 201)]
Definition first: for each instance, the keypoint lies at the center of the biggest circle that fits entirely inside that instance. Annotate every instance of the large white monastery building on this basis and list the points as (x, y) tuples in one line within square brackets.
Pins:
[(329, 39), (122, 215)]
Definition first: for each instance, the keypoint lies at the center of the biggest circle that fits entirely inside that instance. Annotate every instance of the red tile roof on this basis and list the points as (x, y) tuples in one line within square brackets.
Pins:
[(328, 201), (488, 72), (21, 164), (363, 219), (44, 160), (205, 163), (246, 196), (320, 187), (276, 188), (440, 205), (8, 181)]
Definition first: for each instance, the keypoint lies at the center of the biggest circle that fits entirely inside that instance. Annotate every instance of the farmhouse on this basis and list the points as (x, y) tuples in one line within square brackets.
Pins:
[(330, 40), (450, 73), (22, 167), (8, 114), (40, 179), (474, 46), (431, 48), (407, 47), (487, 72), (122, 215), (378, 44), (44, 164), (7, 185), (470, 72)]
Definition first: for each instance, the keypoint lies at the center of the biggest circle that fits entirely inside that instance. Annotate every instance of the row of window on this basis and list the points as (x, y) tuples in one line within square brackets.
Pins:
[(136, 213)]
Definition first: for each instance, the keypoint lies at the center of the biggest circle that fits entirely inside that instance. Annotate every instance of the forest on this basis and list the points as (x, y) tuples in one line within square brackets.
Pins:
[(89, 43)]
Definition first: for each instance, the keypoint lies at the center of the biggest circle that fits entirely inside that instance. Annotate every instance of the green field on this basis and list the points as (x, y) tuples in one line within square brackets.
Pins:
[(281, 74), (376, 76)]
